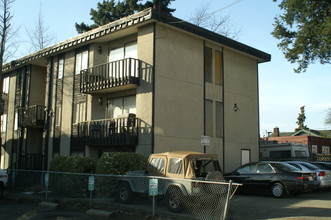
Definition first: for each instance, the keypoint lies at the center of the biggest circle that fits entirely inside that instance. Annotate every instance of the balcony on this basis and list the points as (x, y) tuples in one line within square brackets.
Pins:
[(32, 116), (108, 132), (121, 74)]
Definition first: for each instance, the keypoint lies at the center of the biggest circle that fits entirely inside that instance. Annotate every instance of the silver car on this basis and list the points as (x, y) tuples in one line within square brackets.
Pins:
[(3, 181), (322, 175)]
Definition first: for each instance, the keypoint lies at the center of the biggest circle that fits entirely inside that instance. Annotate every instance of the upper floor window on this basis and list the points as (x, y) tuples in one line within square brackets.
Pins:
[(122, 105), (5, 85), (128, 50), (325, 150), (213, 66), (58, 115), (81, 61), (314, 149), (60, 68)]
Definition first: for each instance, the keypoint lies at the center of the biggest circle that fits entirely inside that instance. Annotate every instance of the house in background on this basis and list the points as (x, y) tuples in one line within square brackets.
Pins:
[(145, 83), (318, 141)]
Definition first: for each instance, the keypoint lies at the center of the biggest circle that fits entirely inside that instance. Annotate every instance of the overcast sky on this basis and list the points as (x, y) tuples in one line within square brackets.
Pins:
[(282, 92)]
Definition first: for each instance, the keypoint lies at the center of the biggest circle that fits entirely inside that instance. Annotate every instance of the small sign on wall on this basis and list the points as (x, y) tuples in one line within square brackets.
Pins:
[(205, 140)]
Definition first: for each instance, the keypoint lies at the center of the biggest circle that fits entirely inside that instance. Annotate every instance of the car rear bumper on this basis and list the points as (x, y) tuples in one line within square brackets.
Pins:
[(325, 183)]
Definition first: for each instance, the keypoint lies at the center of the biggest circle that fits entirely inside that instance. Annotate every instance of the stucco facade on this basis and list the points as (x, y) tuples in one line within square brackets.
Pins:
[(144, 84)]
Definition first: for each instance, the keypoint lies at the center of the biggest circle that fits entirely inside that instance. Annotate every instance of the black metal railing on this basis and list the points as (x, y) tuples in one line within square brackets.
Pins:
[(110, 132), (32, 116), (29, 161), (112, 74)]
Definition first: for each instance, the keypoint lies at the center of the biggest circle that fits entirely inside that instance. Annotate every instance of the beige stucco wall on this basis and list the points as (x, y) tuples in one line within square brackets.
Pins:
[(179, 92), (66, 122), (144, 95), (240, 127)]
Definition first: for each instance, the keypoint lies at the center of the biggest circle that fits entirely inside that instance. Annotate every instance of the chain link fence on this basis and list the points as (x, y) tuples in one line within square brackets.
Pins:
[(184, 198)]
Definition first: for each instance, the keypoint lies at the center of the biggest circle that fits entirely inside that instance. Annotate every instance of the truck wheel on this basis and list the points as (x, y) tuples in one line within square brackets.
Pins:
[(124, 193), (175, 200), (277, 190)]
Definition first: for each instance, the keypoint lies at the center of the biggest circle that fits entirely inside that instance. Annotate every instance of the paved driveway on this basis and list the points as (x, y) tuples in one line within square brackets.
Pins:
[(316, 205)]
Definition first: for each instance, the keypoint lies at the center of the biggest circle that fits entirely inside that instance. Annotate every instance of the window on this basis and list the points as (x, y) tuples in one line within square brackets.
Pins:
[(60, 68), (128, 50), (58, 115), (218, 68), (208, 54), (249, 168), (79, 112), (5, 85), (121, 105), (16, 121), (219, 119), (3, 122), (264, 168), (325, 150), (314, 149), (175, 166), (81, 61), (157, 164), (209, 117)]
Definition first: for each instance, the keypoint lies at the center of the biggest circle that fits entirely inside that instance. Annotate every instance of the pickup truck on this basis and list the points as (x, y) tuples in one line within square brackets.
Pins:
[(180, 174)]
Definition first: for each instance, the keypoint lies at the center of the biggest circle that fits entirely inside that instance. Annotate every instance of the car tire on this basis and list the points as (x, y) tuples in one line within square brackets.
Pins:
[(174, 200), (124, 193), (277, 190)]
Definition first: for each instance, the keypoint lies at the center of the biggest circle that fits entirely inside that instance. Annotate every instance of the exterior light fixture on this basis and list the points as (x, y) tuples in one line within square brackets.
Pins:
[(100, 100), (99, 50), (235, 107)]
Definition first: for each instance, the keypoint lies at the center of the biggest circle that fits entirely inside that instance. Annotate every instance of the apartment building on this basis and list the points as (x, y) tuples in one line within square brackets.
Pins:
[(145, 83)]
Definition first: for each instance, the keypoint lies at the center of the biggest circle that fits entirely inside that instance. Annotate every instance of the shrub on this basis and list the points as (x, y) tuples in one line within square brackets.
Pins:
[(70, 184), (116, 163)]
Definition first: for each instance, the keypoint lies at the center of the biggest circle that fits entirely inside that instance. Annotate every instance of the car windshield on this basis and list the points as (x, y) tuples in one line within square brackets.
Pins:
[(285, 167), (203, 166)]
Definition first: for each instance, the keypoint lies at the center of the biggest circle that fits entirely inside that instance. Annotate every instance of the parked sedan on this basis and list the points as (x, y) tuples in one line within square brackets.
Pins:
[(277, 178), (3, 181), (322, 165), (323, 175)]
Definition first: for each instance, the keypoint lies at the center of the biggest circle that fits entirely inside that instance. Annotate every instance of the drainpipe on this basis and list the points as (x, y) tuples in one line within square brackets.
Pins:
[(48, 112)]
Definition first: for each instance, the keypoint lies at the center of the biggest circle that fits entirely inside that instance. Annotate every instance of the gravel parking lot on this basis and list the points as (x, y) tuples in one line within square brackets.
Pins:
[(316, 205)]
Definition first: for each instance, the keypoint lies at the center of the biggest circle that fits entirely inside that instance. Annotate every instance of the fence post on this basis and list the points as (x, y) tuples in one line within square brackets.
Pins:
[(226, 208)]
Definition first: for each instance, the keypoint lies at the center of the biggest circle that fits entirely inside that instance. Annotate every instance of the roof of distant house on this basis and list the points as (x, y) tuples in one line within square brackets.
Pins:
[(305, 132)]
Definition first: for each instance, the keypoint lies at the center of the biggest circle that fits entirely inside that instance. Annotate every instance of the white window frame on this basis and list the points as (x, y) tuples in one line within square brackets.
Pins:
[(314, 149)]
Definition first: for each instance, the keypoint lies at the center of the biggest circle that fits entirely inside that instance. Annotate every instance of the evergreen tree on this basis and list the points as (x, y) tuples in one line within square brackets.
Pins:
[(304, 31), (111, 10), (301, 119)]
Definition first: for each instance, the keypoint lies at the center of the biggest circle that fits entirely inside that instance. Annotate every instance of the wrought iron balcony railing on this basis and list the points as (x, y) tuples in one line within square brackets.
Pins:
[(110, 132), (109, 75), (32, 116)]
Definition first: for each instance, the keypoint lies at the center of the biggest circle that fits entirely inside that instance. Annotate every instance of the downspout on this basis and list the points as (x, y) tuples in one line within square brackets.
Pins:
[(48, 112), (153, 90)]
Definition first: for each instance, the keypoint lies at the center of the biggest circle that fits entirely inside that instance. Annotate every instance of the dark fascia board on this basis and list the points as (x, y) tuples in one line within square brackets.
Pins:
[(176, 22), (146, 15)]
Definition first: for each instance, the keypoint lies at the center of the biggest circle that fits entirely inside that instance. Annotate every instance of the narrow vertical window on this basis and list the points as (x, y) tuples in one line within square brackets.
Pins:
[(79, 112), (61, 68), (58, 115), (208, 54), (3, 122), (209, 117), (5, 85), (16, 121), (219, 119), (218, 68)]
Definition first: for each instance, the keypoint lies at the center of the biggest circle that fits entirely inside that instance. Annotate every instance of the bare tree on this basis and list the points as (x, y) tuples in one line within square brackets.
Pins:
[(214, 21), (328, 116), (5, 25), (39, 36)]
